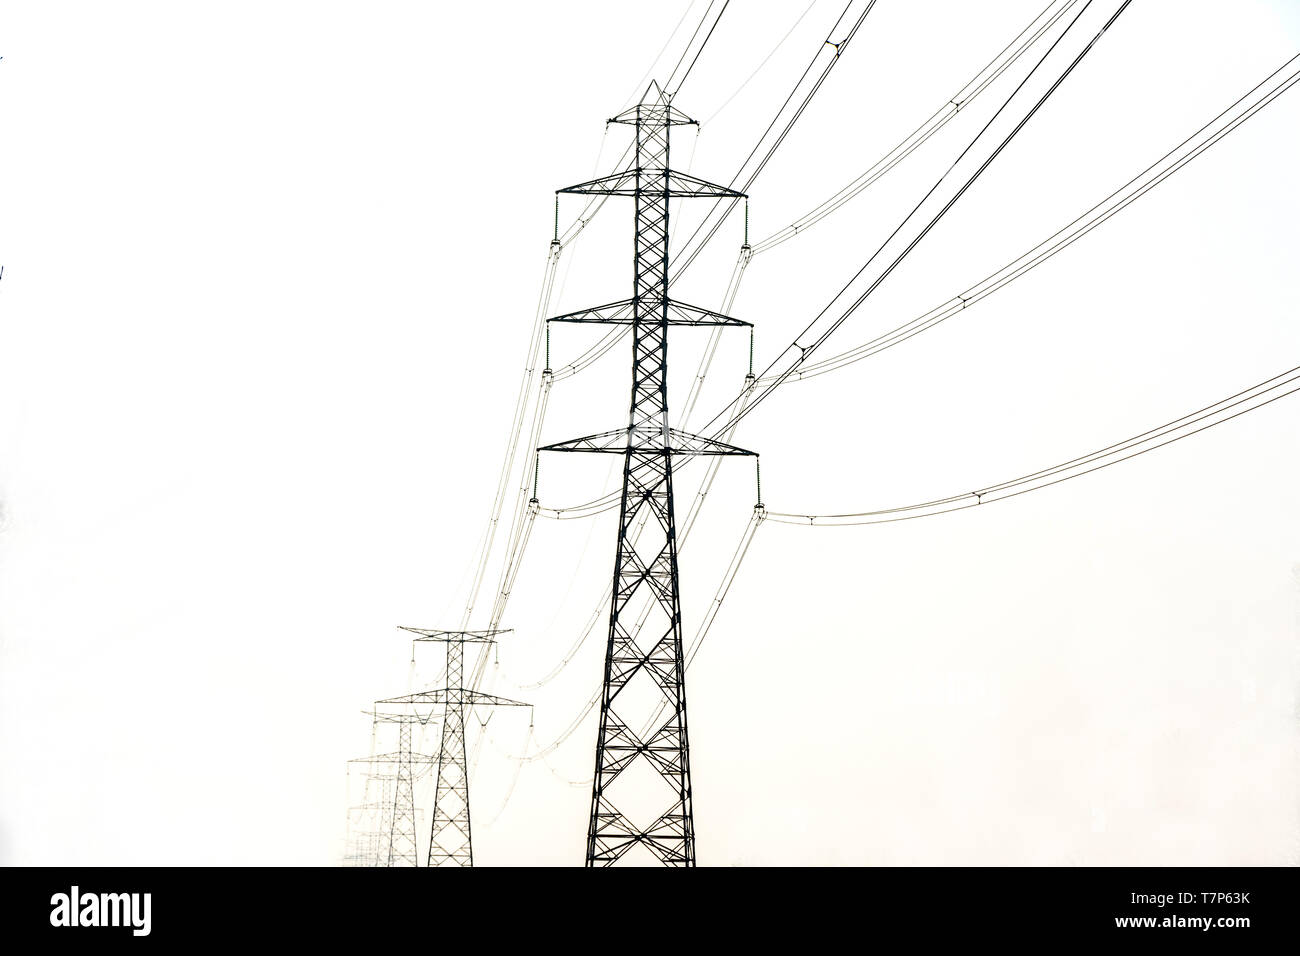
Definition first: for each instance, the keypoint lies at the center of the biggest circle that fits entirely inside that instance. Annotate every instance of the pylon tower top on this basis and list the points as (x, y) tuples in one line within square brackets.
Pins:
[(655, 107)]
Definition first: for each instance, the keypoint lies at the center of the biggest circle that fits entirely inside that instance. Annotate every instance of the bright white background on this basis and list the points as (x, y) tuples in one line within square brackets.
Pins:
[(270, 269)]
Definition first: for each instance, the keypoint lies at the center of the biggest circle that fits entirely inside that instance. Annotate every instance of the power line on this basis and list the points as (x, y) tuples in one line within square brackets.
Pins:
[(1224, 410), (1247, 400), (640, 84), (804, 351), (762, 63), (668, 86), (1255, 99), (704, 18), (837, 43), (959, 101)]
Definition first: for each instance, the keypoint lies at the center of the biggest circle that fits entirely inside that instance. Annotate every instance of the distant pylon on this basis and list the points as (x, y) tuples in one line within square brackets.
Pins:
[(400, 847), (363, 849), (450, 843), (643, 675), (370, 847)]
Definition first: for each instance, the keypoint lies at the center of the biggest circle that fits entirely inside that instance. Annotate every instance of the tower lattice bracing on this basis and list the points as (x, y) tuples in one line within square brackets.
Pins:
[(449, 839), (641, 794)]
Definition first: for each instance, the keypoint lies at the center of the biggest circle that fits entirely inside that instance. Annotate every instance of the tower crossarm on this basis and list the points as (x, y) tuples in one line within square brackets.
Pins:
[(394, 758), (655, 109), (457, 696), (669, 183), (382, 717), (624, 313), (645, 439), (461, 637)]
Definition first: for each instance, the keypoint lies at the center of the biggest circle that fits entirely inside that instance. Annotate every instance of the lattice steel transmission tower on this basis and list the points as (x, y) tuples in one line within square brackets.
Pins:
[(400, 842), (644, 666), (369, 847), (449, 840)]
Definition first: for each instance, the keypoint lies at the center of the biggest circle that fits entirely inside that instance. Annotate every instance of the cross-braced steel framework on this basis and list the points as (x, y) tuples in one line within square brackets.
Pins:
[(402, 845), (400, 842), (449, 840), (369, 847), (644, 666)]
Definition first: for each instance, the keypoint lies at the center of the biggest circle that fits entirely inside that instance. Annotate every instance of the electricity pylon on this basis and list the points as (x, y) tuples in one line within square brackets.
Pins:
[(644, 674), (370, 847), (363, 849), (449, 839), (400, 842)]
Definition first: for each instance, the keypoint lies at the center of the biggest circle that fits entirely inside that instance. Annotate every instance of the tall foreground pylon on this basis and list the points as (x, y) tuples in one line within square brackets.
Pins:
[(638, 751), (450, 841)]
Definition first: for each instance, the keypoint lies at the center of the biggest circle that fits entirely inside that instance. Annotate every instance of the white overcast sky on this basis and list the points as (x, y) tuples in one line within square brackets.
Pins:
[(269, 273)]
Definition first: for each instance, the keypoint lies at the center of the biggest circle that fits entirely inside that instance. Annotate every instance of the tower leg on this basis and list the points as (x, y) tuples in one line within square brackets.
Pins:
[(644, 670)]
